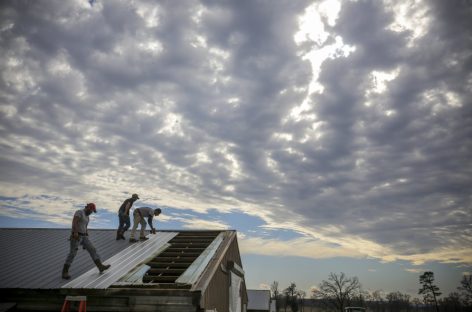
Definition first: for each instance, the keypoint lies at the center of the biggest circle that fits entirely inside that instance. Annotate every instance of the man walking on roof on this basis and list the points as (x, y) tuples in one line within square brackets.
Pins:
[(78, 237), (139, 216), (123, 216)]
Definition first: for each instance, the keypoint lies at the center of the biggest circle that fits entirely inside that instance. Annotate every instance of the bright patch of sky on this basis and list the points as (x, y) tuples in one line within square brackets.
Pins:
[(312, 31), (380, 80), (149, 13), (412, 16)]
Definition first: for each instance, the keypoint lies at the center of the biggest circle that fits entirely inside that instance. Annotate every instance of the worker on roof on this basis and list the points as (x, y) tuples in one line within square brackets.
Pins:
[(123, 216), (78, 237), (139, 216)]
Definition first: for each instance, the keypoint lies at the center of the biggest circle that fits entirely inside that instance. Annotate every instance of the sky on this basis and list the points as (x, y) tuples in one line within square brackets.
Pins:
[(334, 136)]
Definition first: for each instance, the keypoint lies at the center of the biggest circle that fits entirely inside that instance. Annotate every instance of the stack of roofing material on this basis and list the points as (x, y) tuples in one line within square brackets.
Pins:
[(123, 262)]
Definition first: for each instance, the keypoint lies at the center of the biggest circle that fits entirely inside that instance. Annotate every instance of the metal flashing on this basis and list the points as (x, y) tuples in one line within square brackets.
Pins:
[(202, 283), (123, 262), (193, 272)]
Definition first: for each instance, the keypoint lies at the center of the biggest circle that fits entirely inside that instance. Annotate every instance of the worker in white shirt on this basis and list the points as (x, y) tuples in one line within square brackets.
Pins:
[(139, 217), (79, 236)]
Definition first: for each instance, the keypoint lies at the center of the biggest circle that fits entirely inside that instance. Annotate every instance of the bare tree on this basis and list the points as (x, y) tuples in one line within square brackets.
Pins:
[(301, 294), (398, 301), (451, 303), (466, 289), (429, 291), (274, 288), (377, 301), (338, 290), (291, 293), (360, 298), (416, 302)]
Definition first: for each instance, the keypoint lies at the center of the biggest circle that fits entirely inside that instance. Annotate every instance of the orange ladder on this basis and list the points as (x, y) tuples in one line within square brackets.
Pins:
[(82, 304)]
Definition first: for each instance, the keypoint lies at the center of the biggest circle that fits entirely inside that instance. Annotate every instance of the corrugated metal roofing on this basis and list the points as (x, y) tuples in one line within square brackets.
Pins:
[(123, 262), (33, 258)]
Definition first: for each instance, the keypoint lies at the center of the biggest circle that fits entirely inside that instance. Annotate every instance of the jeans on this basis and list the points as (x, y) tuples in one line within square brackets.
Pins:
[(124, 222), (74, 247)]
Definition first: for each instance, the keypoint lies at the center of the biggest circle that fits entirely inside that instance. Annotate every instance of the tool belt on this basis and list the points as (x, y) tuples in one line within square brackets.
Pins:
[(78, 239)]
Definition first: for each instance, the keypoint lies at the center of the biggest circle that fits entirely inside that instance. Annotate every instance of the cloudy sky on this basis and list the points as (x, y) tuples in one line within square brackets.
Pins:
[(335, 136)]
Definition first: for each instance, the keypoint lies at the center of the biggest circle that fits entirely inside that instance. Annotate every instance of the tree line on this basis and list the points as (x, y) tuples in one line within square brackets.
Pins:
[(340, 291)]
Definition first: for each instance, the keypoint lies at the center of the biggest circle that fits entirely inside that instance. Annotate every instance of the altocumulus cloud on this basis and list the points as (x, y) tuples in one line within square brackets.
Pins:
[(348, 122)]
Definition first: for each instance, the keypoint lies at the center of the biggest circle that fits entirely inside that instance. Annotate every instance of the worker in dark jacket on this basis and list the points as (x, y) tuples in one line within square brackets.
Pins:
[(123, 216), (139, 217), (78, 237)]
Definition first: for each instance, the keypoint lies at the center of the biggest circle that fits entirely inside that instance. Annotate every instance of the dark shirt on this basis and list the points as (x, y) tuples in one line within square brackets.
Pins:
[(124, 205)]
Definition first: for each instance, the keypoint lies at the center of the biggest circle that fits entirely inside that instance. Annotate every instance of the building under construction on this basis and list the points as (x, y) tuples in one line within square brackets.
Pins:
[(171, 271)]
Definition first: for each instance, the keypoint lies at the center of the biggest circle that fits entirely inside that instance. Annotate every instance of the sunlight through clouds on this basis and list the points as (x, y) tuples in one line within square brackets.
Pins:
[(151, 47), (172, 125), (380, 79), (411, 15), (312, 31), (149, 13)]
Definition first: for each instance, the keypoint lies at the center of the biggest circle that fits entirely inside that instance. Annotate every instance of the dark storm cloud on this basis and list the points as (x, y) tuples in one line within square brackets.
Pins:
[(195, 98), (412, 189)]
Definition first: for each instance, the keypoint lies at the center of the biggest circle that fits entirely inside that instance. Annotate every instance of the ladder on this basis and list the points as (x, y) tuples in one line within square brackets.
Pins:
[(82, 304)]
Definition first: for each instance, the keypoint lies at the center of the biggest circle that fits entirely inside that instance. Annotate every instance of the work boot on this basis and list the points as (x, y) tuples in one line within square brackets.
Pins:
[(122, 236), (65, 271), (143, 238), (118, 235), (132, 240), (101, 267)]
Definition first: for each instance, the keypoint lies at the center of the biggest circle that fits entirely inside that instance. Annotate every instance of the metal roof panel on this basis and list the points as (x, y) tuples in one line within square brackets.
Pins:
[(123, 262), (33, 258)]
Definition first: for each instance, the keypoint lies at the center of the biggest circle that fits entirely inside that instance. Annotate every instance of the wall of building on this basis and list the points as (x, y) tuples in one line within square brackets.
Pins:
[(216, 295)]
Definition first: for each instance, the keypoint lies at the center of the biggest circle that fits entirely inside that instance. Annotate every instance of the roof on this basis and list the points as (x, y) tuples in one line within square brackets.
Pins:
[(123, 262), (258, 299), (33, 259)]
